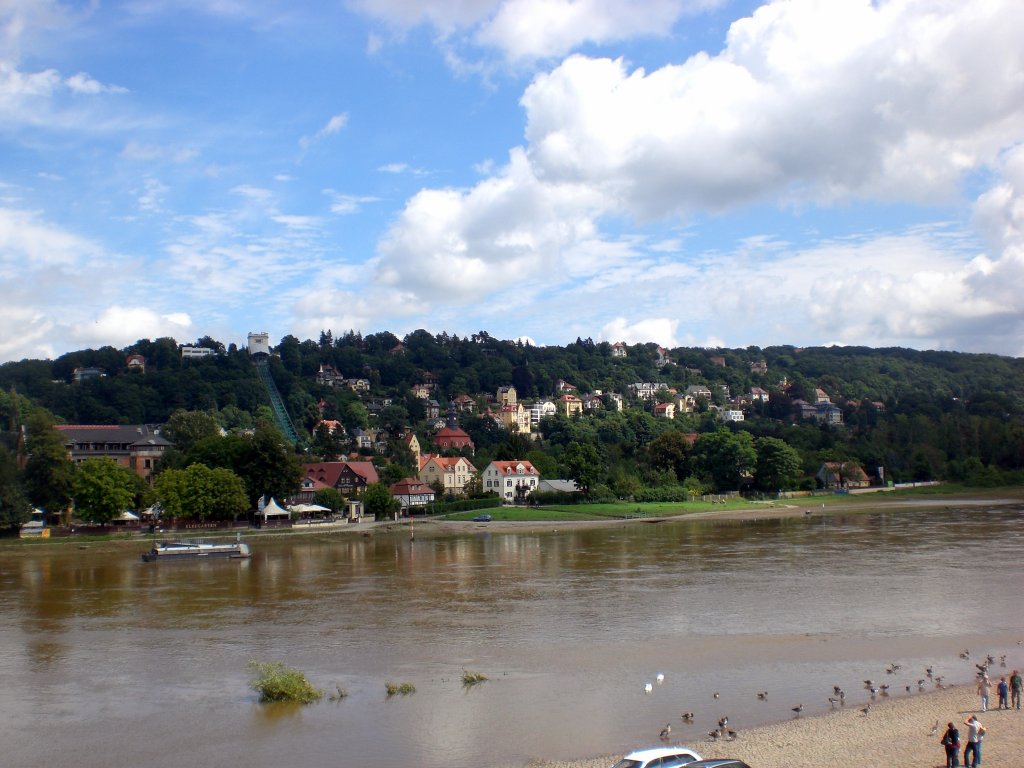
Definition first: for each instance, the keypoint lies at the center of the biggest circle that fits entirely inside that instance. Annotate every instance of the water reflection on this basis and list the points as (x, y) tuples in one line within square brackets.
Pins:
[(568, 627)]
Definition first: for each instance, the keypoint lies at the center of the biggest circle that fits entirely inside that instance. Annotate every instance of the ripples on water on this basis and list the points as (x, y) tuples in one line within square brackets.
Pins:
[(111, 661)]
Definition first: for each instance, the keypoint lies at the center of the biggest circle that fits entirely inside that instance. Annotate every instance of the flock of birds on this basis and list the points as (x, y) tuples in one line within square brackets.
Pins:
[(838, 697)]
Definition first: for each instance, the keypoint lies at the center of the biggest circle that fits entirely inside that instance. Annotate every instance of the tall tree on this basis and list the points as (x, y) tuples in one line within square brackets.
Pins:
[(201, 493), (584, 465), (186, 428), (49, 472), (268, 466), (725, 458), (778, 465), (102, 490), (14, 507), (378, 501)]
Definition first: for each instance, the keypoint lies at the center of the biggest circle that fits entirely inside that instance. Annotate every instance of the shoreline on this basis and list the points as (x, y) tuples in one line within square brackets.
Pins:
[(860, 504), (895, 732)]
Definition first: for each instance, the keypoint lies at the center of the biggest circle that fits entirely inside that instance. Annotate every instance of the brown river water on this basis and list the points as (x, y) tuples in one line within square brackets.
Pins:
[(107, 661)]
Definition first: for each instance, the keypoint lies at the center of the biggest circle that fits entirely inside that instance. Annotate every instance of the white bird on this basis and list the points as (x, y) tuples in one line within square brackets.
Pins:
[(648, 687), (660, 678)]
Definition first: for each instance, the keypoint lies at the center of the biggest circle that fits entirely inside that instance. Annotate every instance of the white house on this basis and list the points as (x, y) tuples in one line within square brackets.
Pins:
[(511, 480)]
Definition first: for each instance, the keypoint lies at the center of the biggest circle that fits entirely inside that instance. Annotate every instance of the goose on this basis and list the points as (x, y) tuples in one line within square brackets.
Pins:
[(798, 708), (660, 678), (648, 687), (687, 717), (762, 695), (865, 709), (723, 721), (732, 735), (714, 734), (666, 731)]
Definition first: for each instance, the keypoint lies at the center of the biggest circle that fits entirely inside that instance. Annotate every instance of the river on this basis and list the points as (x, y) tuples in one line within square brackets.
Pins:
[(107, 661)]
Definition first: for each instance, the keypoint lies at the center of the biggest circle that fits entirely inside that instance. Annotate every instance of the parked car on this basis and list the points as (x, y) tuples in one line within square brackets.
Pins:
[(482, 519), (658, 757), (719, 762)]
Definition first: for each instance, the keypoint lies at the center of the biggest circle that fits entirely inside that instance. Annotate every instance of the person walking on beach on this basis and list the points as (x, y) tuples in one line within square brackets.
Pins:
[(1015, 685), (1004, 694), (951, 741), (975, 731), (984, 689)]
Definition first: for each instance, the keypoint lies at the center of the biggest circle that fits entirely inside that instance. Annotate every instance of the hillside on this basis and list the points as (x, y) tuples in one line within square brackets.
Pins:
[(920, 414)]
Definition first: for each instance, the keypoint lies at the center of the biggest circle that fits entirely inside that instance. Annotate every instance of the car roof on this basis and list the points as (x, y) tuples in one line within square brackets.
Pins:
[(716, 762), (649, 754)]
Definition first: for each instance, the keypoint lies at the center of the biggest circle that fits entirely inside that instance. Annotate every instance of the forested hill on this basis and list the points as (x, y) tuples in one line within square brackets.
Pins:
[(943, 406)]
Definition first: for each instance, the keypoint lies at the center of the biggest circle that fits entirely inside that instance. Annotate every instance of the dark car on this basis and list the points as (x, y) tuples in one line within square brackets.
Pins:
[(482, 519), (720, 762)]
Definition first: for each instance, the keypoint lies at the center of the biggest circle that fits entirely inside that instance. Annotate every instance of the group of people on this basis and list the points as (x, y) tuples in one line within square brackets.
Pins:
[(1009, 693)]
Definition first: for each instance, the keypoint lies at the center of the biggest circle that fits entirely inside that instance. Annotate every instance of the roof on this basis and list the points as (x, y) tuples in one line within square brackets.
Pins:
[(328, 472), (510, 467), (129, 434), (644, 755), (410, 486)]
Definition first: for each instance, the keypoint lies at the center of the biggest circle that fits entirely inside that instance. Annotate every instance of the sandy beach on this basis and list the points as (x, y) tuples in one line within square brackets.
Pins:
[(896, 732)]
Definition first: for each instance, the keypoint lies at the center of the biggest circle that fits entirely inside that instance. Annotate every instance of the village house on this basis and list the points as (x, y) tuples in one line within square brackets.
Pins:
[(451, 473), (758, 395), (139, 447), (511, 480), (136, 364), (759, 367), (189, 352), (464, 403), (647, 390), (661, 358), (730, 414), (349, 478), (514, 417), (619, 349), (838, 474), (506, 396), (541, 409), (570, 405), (665, 410), (685, 403), (698, 390), (411, 493)]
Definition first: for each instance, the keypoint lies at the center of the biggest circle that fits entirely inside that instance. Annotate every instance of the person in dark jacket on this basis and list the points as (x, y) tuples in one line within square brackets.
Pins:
[(951, 741)]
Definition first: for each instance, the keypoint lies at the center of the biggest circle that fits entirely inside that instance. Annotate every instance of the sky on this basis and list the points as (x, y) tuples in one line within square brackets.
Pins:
[(686, 172)]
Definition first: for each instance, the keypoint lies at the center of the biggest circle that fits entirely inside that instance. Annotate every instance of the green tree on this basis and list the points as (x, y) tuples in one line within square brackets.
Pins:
[(102, 490), (670, 451), (186, 428), (778, 464), (14, 507), (583, 464), (378, 501), (268, 466), (49, 473), (201, 493), (330, 498), (725, 458)]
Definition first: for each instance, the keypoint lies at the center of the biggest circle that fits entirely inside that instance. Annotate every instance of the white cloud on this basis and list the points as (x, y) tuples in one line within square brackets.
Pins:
[(810, 100), (119, 326), (344, 205), (660, 330), (540, 29), (82, 83), (527, 30), (333, 126)]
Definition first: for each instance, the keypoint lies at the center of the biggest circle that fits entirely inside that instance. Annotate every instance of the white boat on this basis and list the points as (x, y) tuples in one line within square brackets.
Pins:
[(186, 550)]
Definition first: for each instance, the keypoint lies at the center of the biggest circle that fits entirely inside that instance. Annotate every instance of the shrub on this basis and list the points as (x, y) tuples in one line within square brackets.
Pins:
[(402, 689), (276, 682), (472, 678)]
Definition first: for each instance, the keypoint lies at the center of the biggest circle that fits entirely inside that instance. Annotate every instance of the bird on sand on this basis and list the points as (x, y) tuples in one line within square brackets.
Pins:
[(935, 728), (865, 709), (666, 731), (798, 708), (715, 734), (723, 721), (833, 701), (732, 735)]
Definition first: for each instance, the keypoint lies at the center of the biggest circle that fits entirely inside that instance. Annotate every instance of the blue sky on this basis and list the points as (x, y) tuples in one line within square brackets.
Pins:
[(688, 172)]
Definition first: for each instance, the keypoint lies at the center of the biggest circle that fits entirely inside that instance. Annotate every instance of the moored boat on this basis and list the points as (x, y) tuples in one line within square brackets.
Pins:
[(187, 550)]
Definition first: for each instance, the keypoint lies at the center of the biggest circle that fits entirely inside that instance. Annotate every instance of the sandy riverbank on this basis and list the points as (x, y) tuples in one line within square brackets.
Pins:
[(896, 732)]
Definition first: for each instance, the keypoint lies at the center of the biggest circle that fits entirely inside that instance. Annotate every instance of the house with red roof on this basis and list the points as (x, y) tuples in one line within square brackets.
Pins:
[(411, 493), (511, 480), (350, 478)]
